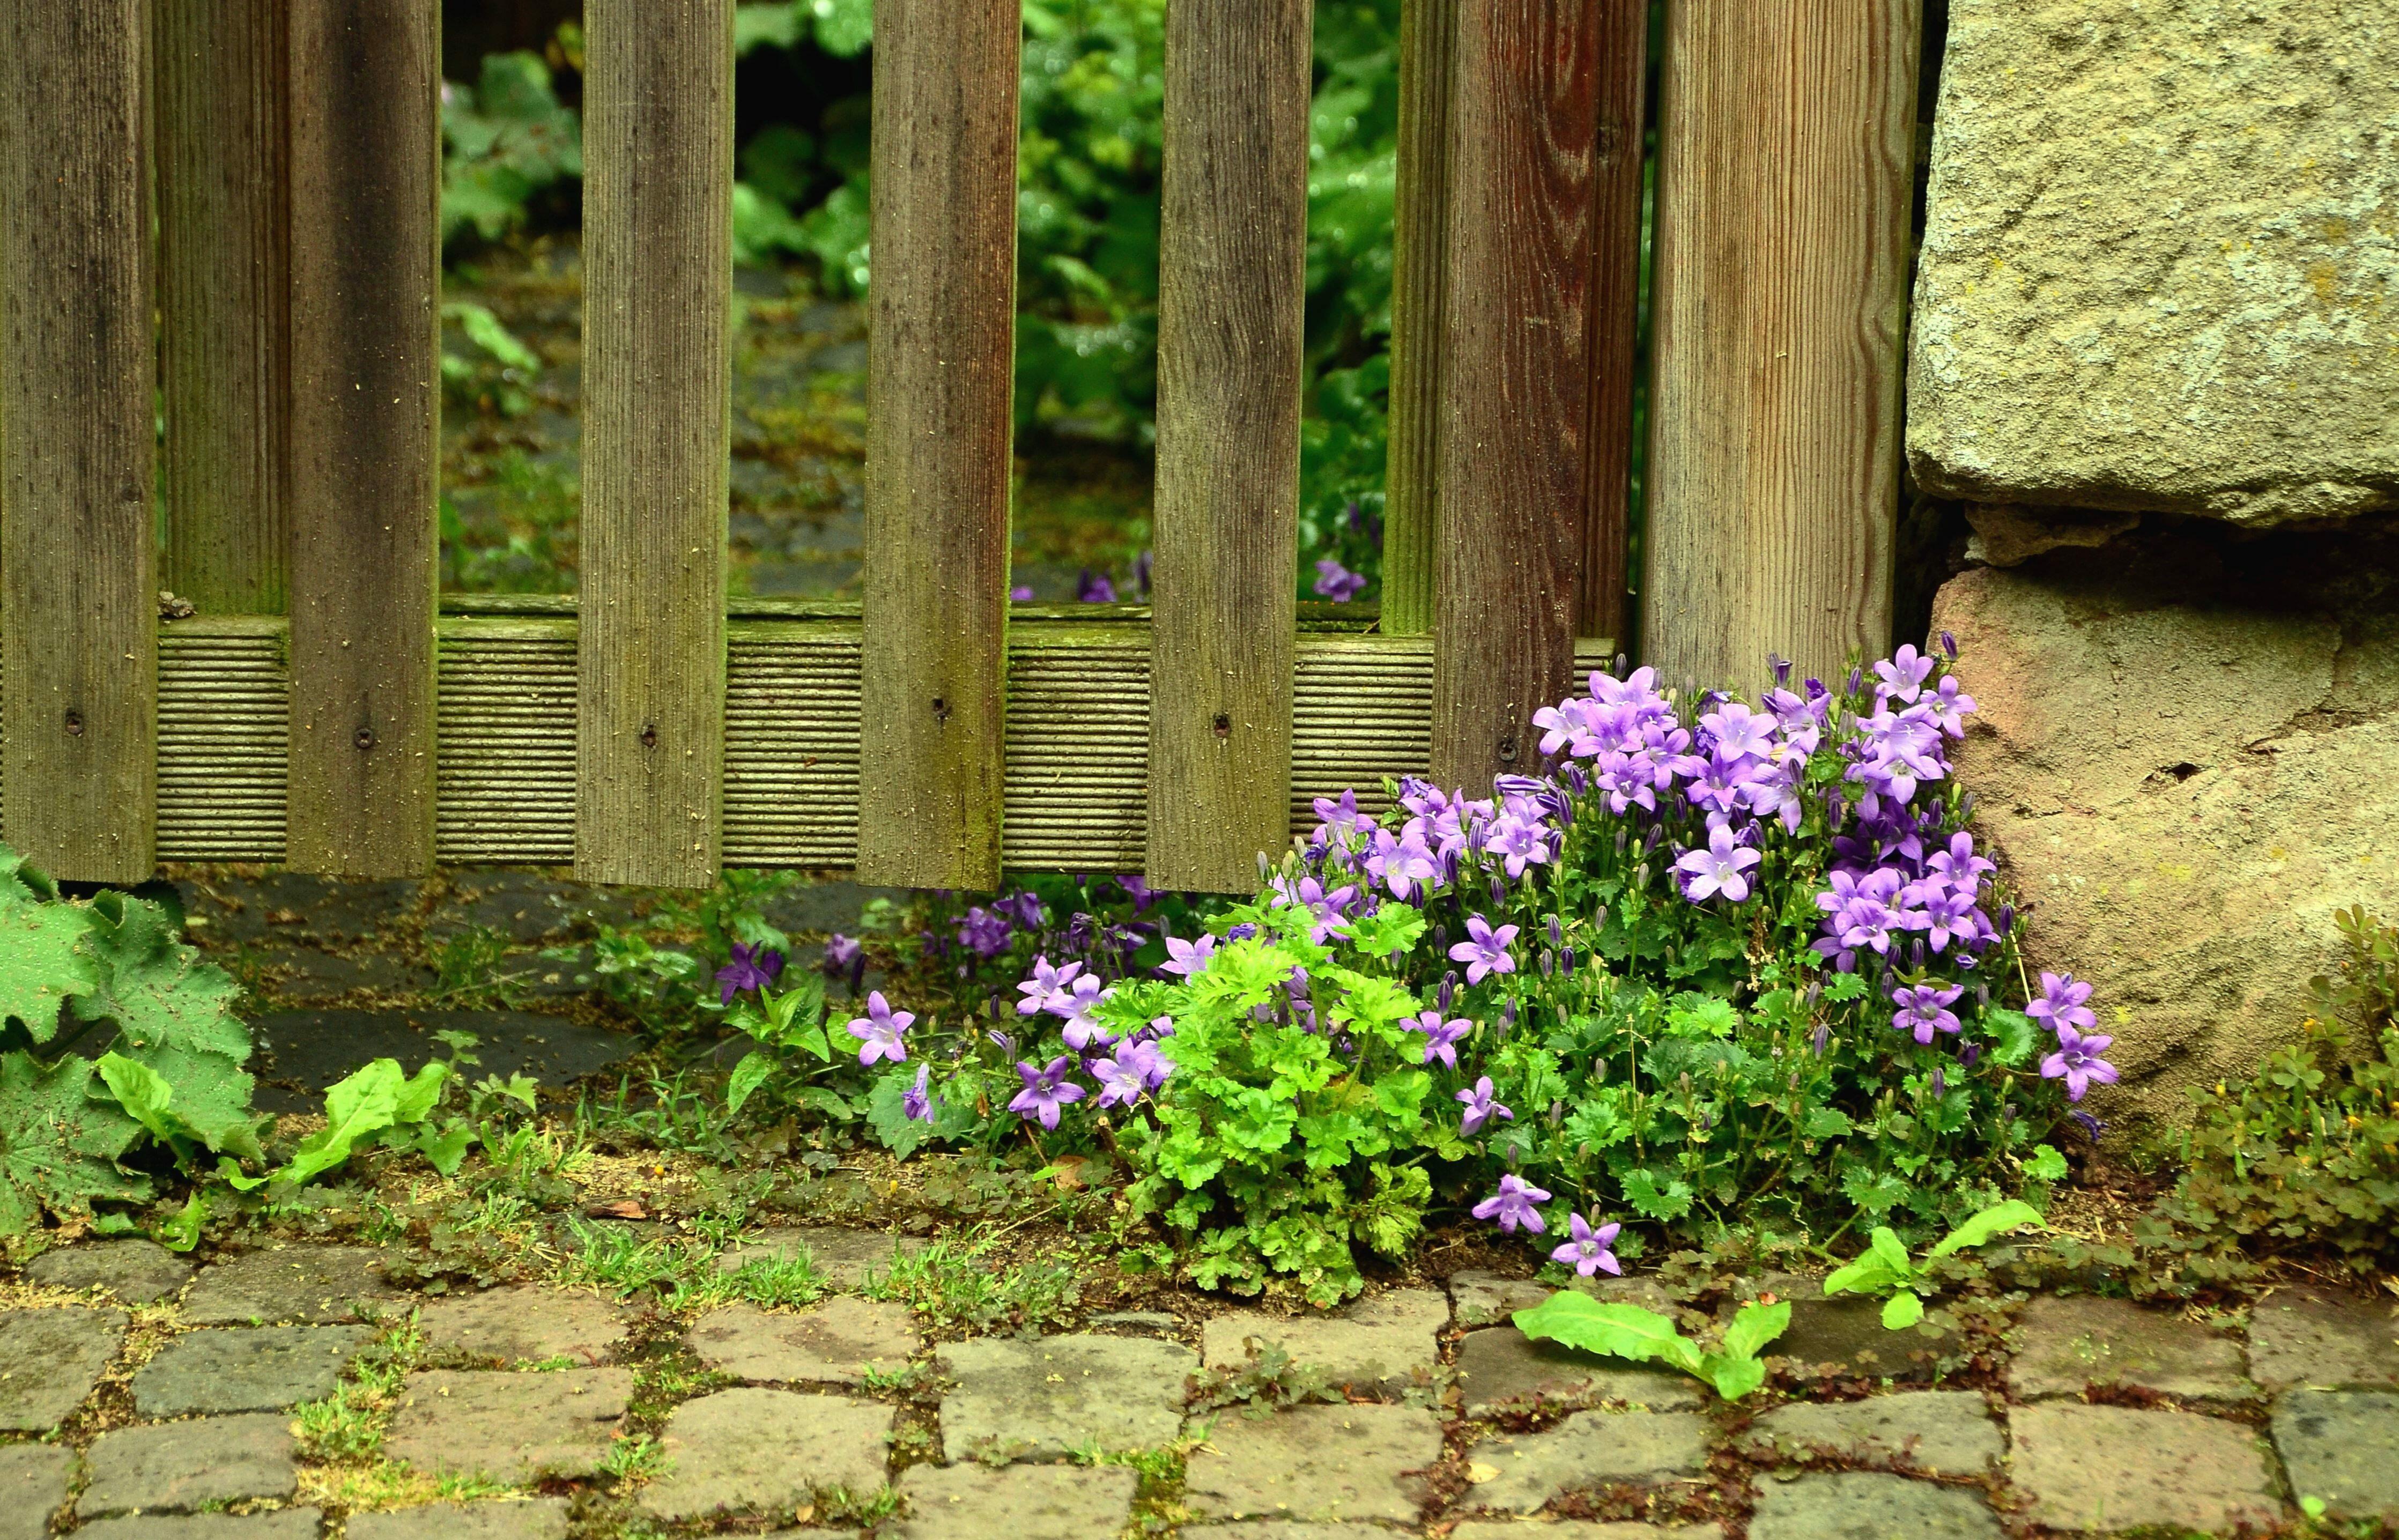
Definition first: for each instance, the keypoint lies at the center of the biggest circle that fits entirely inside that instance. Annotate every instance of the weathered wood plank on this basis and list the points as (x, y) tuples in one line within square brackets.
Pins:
[(1787, 138), (658, 264), (225, 301), (78, 655), (366, 280), (940, 441), (1615, 312), (1232, 251), (1514, 476), (1419, 281)]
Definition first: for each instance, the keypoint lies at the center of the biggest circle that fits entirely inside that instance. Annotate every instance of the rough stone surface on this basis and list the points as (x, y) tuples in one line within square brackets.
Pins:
[(1315, 1464), (543, 1518), (261, 1369), (509, 1426), (1947, 1432), (1377, 1344), (1504, 1366), (308, 1285), (1016, 1503), (1861, 1506), (523, 1325), (1590, 1448), (2009, 535), (49, 1360), (33, 1486), (183, 1466), (754, 1451), (2158, 259), (1284, 1529), (2183, 759), (1847, 1337), (2322, 1340), (844, 1258), (1040, 1399), (834, 1343), (2343, 1448), (135, 1271), (283, 1524), (2110, 1468), (2065, 1346), (1488, 1299), (1565, 1529)]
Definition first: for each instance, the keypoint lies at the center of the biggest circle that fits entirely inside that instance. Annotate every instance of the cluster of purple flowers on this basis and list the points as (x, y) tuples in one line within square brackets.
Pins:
[(1124, 1068)]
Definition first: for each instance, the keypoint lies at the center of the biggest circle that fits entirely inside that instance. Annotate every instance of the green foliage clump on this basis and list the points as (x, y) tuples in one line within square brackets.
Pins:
[(508, 142), (1733, 1368), (1885, 1268)]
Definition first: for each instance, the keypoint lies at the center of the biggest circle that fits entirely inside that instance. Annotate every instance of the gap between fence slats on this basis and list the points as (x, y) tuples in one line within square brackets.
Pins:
[(658, 263), (78, 655), (940, 441), (1785, 149), (1620, 129), (1419, 279)]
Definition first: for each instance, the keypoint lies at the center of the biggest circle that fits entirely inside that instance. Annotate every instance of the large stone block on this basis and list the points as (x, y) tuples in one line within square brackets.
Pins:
[(1048, 1397), (2159, 262), (2342, 1450)]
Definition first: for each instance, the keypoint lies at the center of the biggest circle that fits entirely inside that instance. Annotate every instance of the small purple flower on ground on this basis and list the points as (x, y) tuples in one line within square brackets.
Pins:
[(2061, 1005), (1093, 587), (1922, 1009), (1588, 1252), (840, 955), (2076, 1062), (1721, 868), (752, 968), (1337, 583), (1021, 593), (1045, 1090), (881, 1031), (1048, 987), (1513, 1205), (1484, 951), (1121, 1082), (1440, 1038), (916, 1102), (1185, 958), (1480, 1109), (985, 931)]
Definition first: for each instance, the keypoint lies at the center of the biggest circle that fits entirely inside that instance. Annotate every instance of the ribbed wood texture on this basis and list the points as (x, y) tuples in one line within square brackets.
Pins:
[(224, 738), (507, 765), (225, 301), (940, 440), (1623, 88), (1786, 138), (366, 283), (1514, 473), (657, 372), (1232, 255), (78, 558), (1419, 281)]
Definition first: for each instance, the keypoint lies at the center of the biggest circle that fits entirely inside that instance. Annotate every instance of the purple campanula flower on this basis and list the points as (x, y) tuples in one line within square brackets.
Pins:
[(1923, 1009), (1949, 645), (1142, 567), (1480, 1109), (840, 955), (1120, 1079), (1342, 816), (1142, 894), (1185, 958), (1903, 677), (916, 1103), (1020, 593), (1723, 867), (2091, 1127), (1588, 1252), (1048, 987), (1740, 732), (2076, 1062), (1951, 707), (985, 931), (1245, 931), (2061, 1006), (1486, 951), (1045, 1090), (1093, 587), (1001, 1040), (881, 1031), (1440, 1038), (1515, 1205), (1082, 1028), (752, 968), (1144, 1059), (1337, 583)]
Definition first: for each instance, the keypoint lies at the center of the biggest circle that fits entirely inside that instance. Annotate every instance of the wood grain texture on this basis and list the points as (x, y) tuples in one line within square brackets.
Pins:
[(78, 559), (940, 441), (658, 366), (225, 301), (1786, 138), (1419, 280), (1615, 312), (1232, 255), (366, 282), (1515, 434)]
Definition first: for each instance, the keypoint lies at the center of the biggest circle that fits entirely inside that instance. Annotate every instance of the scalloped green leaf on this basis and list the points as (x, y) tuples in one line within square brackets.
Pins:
[(59, 1144)]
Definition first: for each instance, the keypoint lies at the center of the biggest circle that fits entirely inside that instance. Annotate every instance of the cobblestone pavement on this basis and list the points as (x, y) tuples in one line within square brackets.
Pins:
[(143, 1397)]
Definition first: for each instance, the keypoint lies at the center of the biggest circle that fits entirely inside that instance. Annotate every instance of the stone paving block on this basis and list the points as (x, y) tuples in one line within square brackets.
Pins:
[(283, 1524), (844, 1258), (1377, 1344), (1040, 1399), (309, 1285), (1565, 1529), (832, 1343), (1284, 1529), (135, 1271), (1316, 1464), (523, 1325), (509, 1426), (543, 1518), (2324, 1340), (1018, 1502), (2343, 1447), (184, 1466), (1862, 1505), (1504, 1366), (49, 1360), (1590, 1448), (33, 1486), (254, 1369), (1489, 1299), (2112, 1468), (752, 1451), (2066, 1344), (1847, 1337), (1949, 1432)]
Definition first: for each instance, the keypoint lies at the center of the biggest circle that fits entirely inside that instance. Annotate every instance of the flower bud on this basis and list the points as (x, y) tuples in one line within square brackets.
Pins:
[(1819, 1038), (1780, 666), (1857, 681), (1557, 932), (1622, 662), (1940, 1084), (1448, 991), (2007, 919), (1566, 959), (1949, 645), (1549, 962)]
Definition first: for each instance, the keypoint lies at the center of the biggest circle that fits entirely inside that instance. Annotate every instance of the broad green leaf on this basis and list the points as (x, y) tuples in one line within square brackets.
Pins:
[(1670, 1200), (2015, 1214), (1600, 1326), (1733, 1377), (447, 1149), (1827, 1123), (2013, 1037), (887, 1113), (1394, 927), (173, 1013), (1893, 1254), (144, 1092), (181, 1231), (753, 1071), (1868, 1275), (1754, 1326), (43, 960), (363, 1104), (414, 1102), (60, 1143), (1901, 1311), (2046, 1164)]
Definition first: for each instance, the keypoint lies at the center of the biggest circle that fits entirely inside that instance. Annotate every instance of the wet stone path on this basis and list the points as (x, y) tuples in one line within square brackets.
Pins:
[(141, 1396)]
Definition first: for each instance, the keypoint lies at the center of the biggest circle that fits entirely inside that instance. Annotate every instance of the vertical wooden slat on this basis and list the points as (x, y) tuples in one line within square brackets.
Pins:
[(1419, 273), (657, 266), (78, 556), (1232, 255), (1787, 138), (939, 441), (366, 278), (1615, 312), (1514, 476), (224, 294)]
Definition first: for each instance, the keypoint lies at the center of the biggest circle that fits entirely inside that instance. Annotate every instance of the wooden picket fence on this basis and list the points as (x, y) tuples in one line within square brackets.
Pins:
[(328, 709)]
